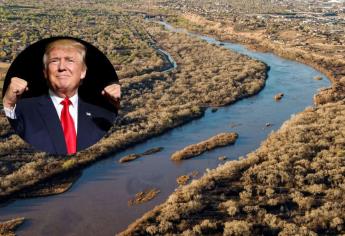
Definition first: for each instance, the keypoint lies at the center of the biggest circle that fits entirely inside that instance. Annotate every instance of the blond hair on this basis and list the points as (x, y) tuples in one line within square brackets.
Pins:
[(65, 43)]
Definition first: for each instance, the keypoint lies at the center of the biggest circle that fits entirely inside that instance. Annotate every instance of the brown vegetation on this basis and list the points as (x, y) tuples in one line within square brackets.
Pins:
[(3, 70), (128, 47), (318, 44), (132, 157), (152, 103), (183, 179), (53, 186), (333, 94), (7, 228), (222, 158), (193, 150), (143, 197), (292, 185), (279, 96), (5, 128)]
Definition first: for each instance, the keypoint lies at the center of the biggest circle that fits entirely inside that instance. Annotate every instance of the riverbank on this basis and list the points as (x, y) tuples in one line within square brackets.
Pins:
[(292, 184), (260, 39), (151, 104)]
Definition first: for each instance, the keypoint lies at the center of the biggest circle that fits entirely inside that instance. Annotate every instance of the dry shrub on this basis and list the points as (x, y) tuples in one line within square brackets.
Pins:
[(5, 127), (129, 157), (193, 150), (237, 228), (143, 196), (292, 229), (206, 227), (230, 206), (7, 228), (135, 156), (333, 94), (182, 180), (68, 164)]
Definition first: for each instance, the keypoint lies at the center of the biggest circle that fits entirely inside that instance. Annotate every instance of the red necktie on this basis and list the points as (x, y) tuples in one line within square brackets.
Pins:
[(68, 127)]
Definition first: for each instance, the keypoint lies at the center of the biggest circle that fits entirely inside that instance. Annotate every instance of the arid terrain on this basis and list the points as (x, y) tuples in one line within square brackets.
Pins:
[(292, 184), (152, 101)]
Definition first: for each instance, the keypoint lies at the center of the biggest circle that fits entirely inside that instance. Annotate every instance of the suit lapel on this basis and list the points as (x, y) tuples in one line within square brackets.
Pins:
[(52, 123)]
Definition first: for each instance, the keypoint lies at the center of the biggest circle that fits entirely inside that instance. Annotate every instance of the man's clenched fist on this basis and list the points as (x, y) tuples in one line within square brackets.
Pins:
[(113, 93), (16, 88)]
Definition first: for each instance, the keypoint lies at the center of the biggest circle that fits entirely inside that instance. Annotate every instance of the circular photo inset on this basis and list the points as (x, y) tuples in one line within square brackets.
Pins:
[(61, 95)]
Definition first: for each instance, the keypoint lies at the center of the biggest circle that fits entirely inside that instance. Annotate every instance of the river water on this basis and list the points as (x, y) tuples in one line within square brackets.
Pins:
[(97, 203)]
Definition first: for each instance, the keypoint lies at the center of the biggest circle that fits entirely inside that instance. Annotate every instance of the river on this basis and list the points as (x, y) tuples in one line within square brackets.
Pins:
[(97, 203)]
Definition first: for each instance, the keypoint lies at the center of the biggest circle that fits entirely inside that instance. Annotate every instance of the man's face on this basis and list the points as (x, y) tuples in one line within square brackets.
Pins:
[(64, 70)]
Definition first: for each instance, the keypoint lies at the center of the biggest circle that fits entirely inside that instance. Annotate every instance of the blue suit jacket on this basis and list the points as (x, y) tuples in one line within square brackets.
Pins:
[(38, 124)]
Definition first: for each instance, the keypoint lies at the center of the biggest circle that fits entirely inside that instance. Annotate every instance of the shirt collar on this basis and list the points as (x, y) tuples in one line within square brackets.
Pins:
[(58, 100)]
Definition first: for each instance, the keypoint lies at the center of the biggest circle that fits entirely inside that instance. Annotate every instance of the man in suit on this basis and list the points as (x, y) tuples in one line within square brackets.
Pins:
[(60, 122)]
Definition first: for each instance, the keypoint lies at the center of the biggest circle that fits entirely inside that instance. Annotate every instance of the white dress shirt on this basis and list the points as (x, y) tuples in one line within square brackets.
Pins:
[(10, 112), (73, 108)]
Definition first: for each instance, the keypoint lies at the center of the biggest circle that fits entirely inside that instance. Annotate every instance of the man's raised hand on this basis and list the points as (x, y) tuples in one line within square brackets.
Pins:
[(15, 89), (113, 93)]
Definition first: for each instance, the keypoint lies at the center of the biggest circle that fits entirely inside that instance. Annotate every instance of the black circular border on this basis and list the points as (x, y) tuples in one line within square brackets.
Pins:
[(28, 65)]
